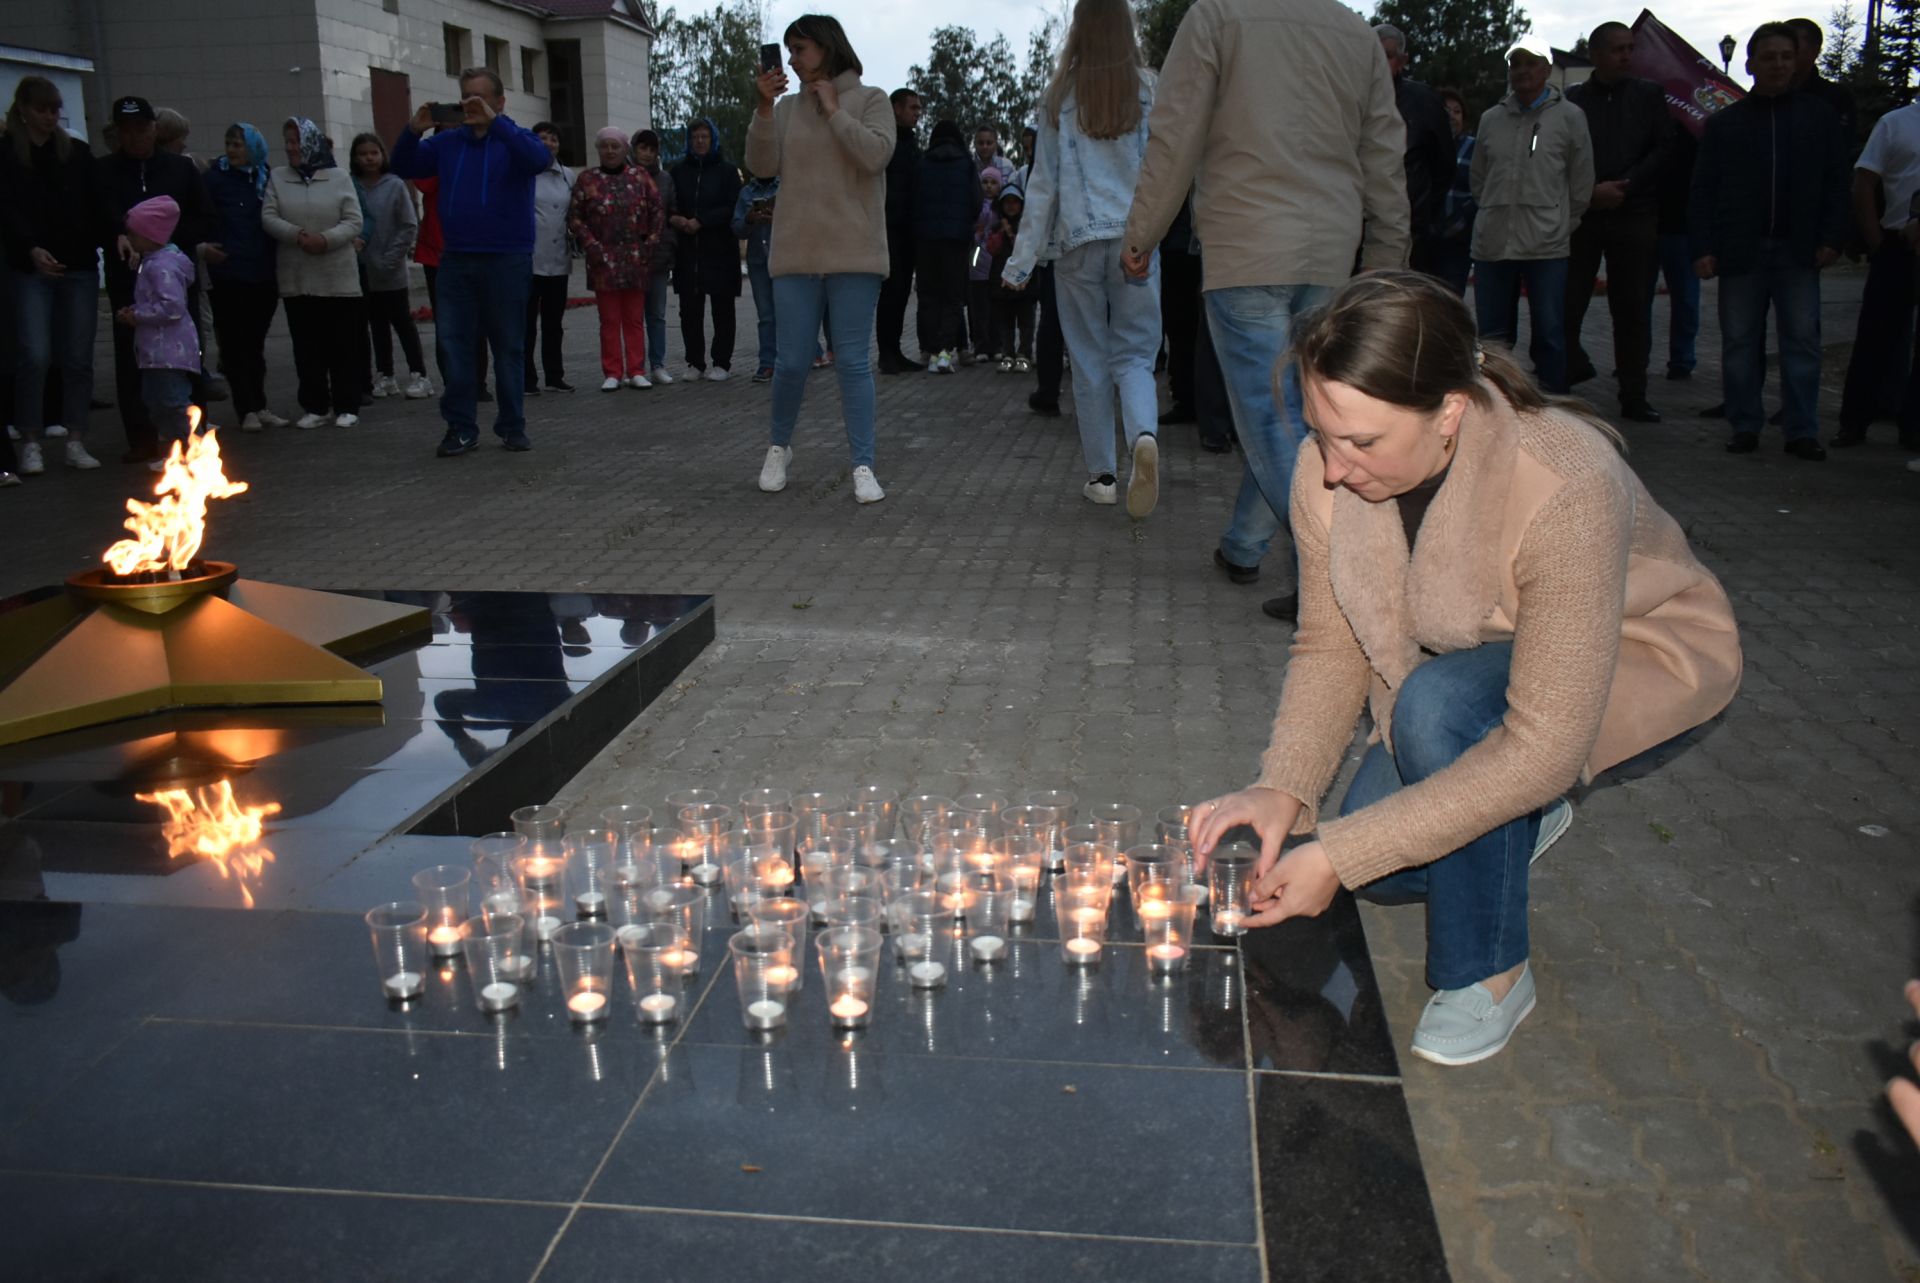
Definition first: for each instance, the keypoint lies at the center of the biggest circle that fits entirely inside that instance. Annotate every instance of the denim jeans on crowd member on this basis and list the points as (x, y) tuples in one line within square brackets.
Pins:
[(1496, 297), (167, 394), (659, 287), (763, 307), (1683, 295), (1112, 328), (847, 300), (56, 322), (1793, 290), (1476, 896), (483, 296), (1252, 328)]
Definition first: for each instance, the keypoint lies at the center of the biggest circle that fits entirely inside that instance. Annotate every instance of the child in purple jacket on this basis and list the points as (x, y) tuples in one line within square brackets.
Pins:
[(165, 343)]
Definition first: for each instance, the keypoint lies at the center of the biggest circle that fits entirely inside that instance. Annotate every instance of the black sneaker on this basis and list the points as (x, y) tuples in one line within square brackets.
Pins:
[(1042, 407), (1847, 438), (908, 364), (532, 388), (1581, 373), (1718, 410), (1286, 608), (559, 385), (1217, 445), (516, 441), (456, 442), (1808, 448), (483, 394), (1744, 443), (1237, 573), (1640, 412), (1178, 412), (1679, 373)]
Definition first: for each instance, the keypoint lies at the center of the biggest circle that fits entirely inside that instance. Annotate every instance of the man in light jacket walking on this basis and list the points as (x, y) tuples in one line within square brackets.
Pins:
[(1532, 179), (1280, 115)]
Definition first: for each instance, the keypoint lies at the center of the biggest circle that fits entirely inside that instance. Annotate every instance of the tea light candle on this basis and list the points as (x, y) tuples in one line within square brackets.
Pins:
[(1154, 910), (705, 873), (590, 904), (911, 944), (1229, 922), (927, 975), (545, 926), (1086, 916), (499, 996), (445, 941), (1082, 950), (1020, 911), (767, 1013), (587, 1007), (1166, 957), (520, 967), (659, 898), (501, 902), (849, 1012), (988, 948), (686, 961), (403, 984), (626, 935), (657, 1008), (539, 872), (783, 979)]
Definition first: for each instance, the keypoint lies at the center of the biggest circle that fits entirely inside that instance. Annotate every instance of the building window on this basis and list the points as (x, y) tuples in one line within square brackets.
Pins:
[(458, 42), (391, 6), (497, 56), (529, 70)]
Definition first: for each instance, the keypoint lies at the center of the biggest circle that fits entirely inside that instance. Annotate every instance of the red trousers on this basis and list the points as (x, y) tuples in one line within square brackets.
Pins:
[(623, 320)]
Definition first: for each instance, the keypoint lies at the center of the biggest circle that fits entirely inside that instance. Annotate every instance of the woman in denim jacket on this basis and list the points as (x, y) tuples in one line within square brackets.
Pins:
[(1093, 134)]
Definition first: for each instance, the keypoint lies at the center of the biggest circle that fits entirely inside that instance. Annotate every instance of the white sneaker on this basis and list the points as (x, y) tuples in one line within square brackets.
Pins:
[(866, 487), (639, 381), (1555, 820), (347, 421), (53, 430), (1143, 482), (268, 419), (252, 422), (13, 433), (313, 421), (773, 473), (660, 375), (1102, 489), (77, 457), (609, 385), (384, 386), (419, 388), (8, 479), (31, 464), (716, 375)]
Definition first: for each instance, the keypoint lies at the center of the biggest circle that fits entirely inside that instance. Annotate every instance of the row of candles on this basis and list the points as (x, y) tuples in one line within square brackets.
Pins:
[(840, 871)]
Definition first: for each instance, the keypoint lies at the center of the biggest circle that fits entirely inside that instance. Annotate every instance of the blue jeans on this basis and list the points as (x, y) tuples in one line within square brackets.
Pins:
[(55, 327), (1793, 290), (1112, 327), (763, 308), (800, 305), (167, 394), (1683, 295), (1476, 896), (1496, 298), (659, 286), (483, 295), (1252, 330)]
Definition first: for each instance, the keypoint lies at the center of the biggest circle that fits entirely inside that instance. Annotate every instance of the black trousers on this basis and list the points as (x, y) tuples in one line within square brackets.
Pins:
[(242, 315), (1886, 320), (693, 334), (980, 331), (480, 346), (1210, 405), (1180, 319), (1629, 241), (940, 272), (1013, 323), (890, 321), (329, 347), (1049, 344), (142, 438), (390, 312), (546, 312)]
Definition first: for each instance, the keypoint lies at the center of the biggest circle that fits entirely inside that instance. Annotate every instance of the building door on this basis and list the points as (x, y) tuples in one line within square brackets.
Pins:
[(566, 99), (392, 103)]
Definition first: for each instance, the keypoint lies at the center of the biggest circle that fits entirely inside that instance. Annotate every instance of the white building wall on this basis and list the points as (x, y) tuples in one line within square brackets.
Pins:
[(613, 69)]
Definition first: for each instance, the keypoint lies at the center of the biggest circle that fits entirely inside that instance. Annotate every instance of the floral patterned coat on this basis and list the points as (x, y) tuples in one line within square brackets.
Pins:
[(616, 218)]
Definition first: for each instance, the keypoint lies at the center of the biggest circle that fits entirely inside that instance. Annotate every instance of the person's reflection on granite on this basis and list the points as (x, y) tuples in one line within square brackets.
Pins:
[(639, 615), (513, 651), (32, 928), (1214, 989), (572, 609), (1304, 991)]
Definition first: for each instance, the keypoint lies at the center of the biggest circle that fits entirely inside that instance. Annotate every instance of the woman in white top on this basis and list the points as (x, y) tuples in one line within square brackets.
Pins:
[(313, 210), (552, 264), (1093, 134)]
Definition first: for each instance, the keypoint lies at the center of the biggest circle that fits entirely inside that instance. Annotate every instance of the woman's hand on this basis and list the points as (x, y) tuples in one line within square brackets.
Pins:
[(124, 316), (1903, 1095), (1300, 885), (312, 242), (1269, 812), (46, 264), (212, 254), (825, 97), (769, 85), (359, 244)]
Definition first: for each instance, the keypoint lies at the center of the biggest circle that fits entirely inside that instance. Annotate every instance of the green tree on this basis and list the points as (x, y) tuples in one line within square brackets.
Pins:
[(1458, 43), (968, 82), (1158, 20), (1840, 55), (704, 65)]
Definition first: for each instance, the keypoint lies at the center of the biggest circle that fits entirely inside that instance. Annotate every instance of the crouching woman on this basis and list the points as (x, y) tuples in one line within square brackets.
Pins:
[(1479, 567)]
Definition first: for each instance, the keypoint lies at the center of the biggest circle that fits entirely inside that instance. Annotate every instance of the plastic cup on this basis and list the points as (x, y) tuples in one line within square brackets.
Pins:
[(399, 932)]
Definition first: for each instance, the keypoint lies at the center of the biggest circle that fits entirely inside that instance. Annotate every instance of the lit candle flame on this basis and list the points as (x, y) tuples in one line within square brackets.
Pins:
[(167, 534), (208, 824)]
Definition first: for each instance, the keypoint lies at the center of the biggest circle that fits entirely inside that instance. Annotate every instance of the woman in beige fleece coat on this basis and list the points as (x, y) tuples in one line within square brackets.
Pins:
[(829, 146), (1549, 622)]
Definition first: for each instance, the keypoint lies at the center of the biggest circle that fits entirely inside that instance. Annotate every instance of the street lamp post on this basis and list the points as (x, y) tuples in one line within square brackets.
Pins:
[(1727, 45)]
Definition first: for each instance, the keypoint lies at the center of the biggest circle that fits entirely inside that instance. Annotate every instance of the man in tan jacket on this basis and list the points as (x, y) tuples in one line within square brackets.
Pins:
[(1281, 115), (1532, 178)]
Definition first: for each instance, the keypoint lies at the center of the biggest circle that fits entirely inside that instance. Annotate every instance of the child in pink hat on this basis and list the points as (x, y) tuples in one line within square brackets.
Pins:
[(165, 343)]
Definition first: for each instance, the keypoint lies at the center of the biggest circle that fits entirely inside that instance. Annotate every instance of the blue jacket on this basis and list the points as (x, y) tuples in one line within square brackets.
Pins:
[(1082, 188), (1770, 170), (485, 201), (758, 236), (251, 253), (946, 194)]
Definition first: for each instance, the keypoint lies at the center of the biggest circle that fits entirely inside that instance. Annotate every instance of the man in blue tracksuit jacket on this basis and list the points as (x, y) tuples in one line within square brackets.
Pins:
[(486, 171)]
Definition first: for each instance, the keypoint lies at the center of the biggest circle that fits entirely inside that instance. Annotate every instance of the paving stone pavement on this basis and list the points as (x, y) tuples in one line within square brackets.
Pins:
[(1719, 946)]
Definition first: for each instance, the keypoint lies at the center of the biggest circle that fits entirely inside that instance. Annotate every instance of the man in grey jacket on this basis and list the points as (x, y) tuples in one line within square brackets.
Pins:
[(1280, 115), (1532, 178)]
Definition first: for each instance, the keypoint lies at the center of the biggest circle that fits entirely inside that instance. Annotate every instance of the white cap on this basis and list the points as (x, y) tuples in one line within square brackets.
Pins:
[(1534, 45)]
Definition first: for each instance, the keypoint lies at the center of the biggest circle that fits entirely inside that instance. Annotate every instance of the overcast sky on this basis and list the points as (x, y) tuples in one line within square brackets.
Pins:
[(892, 36)]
